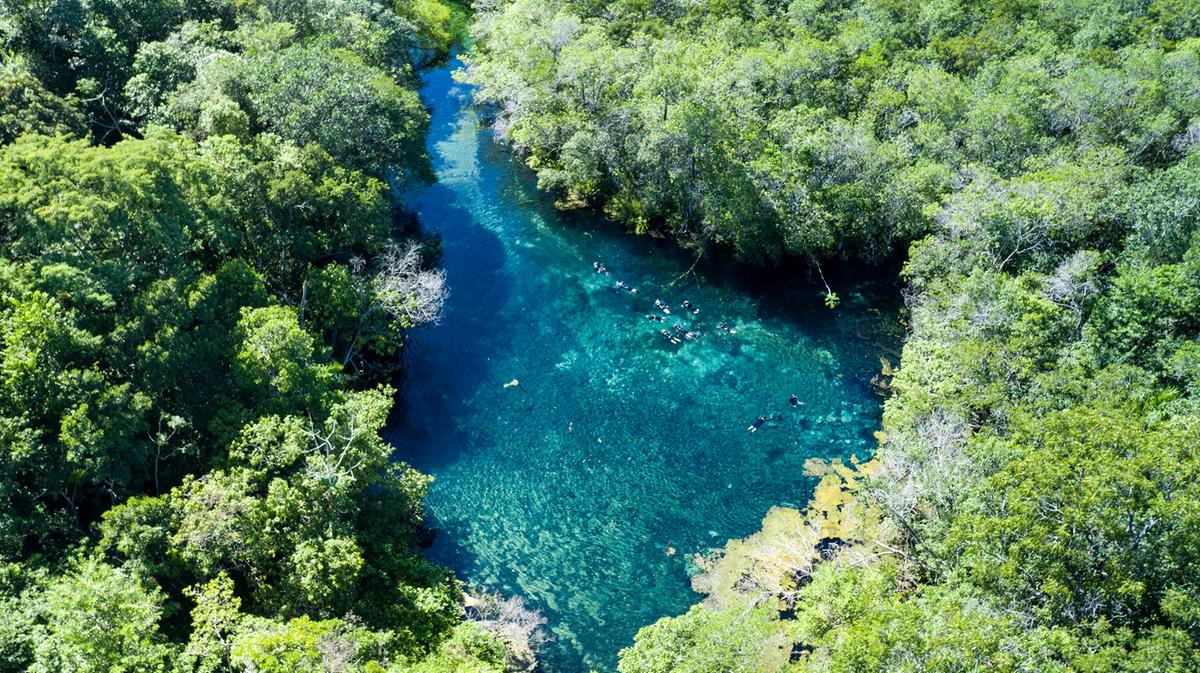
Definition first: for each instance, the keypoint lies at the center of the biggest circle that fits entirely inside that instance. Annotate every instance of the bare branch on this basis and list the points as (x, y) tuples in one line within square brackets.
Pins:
[(408, 292)]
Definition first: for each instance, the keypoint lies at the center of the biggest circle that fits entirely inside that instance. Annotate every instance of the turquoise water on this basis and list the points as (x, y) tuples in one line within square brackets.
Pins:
[(617, 447)]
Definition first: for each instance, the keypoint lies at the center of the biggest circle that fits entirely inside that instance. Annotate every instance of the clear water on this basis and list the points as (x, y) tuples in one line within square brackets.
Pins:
[(617, 447)]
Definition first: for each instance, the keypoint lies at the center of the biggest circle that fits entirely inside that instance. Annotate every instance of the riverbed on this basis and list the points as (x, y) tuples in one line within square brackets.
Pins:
[(582, 456)]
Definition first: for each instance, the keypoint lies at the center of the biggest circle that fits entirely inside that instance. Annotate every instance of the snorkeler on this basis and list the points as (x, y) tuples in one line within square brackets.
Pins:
[(794, 401), (600, 268), (758, 423), (658, 304), (670, 337), (725, 328), (620, 285), (688, 306), (655, 318)]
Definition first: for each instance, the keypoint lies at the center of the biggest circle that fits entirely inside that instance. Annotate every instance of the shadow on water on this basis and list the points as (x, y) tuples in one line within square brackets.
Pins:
[(474, 261), (586, 487)]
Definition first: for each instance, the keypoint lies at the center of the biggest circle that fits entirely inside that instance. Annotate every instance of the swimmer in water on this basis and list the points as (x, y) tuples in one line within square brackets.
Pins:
[(670, 337), (658, 304), (794, 401), (758, 423), (688, 306), (725, 328)]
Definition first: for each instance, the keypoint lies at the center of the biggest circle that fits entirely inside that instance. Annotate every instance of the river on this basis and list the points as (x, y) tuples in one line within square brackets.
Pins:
[(588, 486)]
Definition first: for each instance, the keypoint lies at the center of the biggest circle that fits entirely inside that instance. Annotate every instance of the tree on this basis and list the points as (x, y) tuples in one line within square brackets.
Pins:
[(1090, 518), (736, 639), (361, 116), (364, 309), (306, 646), (215, 622), (26, 106), (99, 619), (278, 361)]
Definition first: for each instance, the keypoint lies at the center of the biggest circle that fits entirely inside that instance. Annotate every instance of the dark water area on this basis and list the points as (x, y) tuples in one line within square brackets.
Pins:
[(588, 485)]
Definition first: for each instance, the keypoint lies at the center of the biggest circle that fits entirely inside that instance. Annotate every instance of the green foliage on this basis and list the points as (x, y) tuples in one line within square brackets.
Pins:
[(277, 359), (736, 639), (854, 620), (215, 620), (1090, 516), (833, 129), (304, 646), (99, 619), (191, 481), (467, 650), (360, 115), (26, 106)]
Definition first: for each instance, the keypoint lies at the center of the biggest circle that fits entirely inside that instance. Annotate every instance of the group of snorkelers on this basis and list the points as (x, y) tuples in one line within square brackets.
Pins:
[(680, 333), (687, 306), (620, 284), (793, 401)]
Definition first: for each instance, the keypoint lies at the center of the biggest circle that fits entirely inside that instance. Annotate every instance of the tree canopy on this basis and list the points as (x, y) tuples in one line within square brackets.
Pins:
[(203, 286)]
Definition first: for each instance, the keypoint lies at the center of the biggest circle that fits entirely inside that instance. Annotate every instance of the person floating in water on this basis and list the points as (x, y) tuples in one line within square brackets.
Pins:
[(794, 401), (758, 423), (620, 285), (670, 337), (725, 328), (658, 304), (680, 331), (601, 269), (655, 318), (688, 306)]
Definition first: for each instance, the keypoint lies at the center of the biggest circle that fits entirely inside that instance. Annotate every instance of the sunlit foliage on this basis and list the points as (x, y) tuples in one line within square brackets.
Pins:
[(202, 285)]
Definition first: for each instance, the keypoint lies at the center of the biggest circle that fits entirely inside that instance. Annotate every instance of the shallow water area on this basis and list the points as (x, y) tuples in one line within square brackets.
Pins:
[(588, 484)]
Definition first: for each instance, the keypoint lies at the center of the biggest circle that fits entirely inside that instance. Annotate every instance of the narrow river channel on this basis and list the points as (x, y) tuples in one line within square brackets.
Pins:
[(589, 485)]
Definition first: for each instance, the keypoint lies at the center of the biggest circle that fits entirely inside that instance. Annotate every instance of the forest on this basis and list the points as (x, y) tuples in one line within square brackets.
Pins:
[(206, 285), (1034, 501)]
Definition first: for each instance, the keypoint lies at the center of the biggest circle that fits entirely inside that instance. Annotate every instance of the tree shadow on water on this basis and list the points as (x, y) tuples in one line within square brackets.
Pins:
[(445, 364)]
